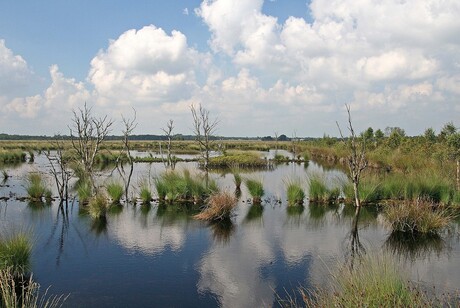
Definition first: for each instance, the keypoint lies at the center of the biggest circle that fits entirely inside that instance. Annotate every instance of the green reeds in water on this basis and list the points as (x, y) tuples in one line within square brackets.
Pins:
[(15, 251), (256, 189), (84, 191), (36, 188), (115, 191), (375, 281), (219, 206), (97, 207), (237, 179), (145, 193), (418, 216), (319, 192), (295, 193)]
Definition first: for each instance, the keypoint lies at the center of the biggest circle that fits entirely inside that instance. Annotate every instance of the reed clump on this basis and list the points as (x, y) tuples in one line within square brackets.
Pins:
[(237, 158), (237, 179), (219, 206), (36, 188), (13, 156), (145, 193), (418, 216), (295, 192), (256, 189), (98, 206), (84, 191), (374, 282), (15, 251), (320, 193), (115, 191)]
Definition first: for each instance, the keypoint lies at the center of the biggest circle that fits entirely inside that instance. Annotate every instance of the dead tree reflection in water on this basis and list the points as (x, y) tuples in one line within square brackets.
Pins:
[(62, 220), (355, 248)]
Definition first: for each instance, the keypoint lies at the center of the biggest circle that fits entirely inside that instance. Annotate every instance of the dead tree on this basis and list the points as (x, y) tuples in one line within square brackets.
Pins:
[(87, 133), (169, 136), (129, 126), (60, 170), (356, 160), (203, 129)]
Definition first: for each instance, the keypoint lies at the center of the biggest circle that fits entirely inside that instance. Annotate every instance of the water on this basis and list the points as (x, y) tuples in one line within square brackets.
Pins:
[(161, 256)]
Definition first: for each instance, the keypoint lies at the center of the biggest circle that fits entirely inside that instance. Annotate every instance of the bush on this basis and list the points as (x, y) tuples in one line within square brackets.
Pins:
[(218, 207)]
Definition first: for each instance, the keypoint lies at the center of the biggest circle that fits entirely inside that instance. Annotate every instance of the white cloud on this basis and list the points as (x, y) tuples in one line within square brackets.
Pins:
[(145, 66)]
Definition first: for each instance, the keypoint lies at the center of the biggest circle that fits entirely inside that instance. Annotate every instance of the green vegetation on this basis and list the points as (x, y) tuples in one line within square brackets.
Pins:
[(97, 207), (320, 193), (417, 217), (145, 193), (15, 251), (295, 193), (36, 188), (175, 186), (374, 282), (115, 191), (237, 158), (237, 179), (12, 156), (256, 189), (219, 206), (84, 191)]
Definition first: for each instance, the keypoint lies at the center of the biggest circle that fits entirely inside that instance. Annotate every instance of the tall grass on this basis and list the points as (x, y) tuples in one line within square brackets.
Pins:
[(256, 189), (36, 188), (15, 251), (295, 192), (84, 191), (237, 179), (23, 293), (115, 191), (319, 192), (374, 282), (219, 206), (145, 193), (417, 217), (97, 207)]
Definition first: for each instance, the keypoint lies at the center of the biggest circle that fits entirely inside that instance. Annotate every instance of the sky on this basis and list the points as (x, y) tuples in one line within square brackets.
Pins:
[(260, 67)]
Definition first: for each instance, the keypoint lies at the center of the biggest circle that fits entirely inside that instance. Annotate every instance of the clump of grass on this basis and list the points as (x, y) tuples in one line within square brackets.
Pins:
[(115, 191), (256, 189), (295, 193), (237, 179), (218, 207), (319, 192), (145, 193), (17, 292), (417, 217), (237, 158), (374, 282), (97, 207), (36, 188), (15, 251), (84, 191)]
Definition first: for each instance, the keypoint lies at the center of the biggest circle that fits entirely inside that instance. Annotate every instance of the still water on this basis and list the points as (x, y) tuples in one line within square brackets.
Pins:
[(160, 256)]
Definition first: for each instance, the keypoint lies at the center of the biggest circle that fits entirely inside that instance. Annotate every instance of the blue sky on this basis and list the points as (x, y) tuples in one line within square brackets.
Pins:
[(259, 66)]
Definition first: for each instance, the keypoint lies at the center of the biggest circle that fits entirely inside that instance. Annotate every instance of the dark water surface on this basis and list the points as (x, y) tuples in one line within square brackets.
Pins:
[(160, 256)]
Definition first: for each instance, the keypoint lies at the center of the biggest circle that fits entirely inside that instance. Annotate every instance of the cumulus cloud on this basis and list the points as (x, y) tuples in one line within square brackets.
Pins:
[(146, 65)]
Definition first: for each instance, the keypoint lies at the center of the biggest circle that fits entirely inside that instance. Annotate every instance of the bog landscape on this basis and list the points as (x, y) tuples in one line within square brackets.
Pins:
[(94, 219)]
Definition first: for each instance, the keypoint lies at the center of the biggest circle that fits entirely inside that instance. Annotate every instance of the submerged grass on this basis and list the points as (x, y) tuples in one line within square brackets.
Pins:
[(418, 216), (15, 251), (219, 206), (256, 189)]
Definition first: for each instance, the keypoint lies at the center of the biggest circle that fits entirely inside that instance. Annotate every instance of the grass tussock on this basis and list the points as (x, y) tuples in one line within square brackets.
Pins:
[(241, 159), (320, 193), (417, 217), (98, 206), (145, 193), (36, 188), (115, 191), (374, 282), (295, 193), (19, 292), (219, 206), (256, 189), (237, 179), (84, 191), (15, 251), (12, 156)]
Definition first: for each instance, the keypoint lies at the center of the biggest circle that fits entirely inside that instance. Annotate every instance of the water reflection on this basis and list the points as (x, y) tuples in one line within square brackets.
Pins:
[(411, 247), (99, 226), (222, 231), (255, 213)]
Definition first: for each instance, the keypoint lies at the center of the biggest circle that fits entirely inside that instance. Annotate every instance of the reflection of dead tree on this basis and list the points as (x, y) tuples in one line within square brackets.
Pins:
[(87, 133), (129, 126), (60, 171), (356, 247), (357, 161), (169, 135), (203, 128)]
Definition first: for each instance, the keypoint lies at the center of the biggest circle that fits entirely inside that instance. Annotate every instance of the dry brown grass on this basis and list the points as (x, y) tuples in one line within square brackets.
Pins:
[(218, 207)]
